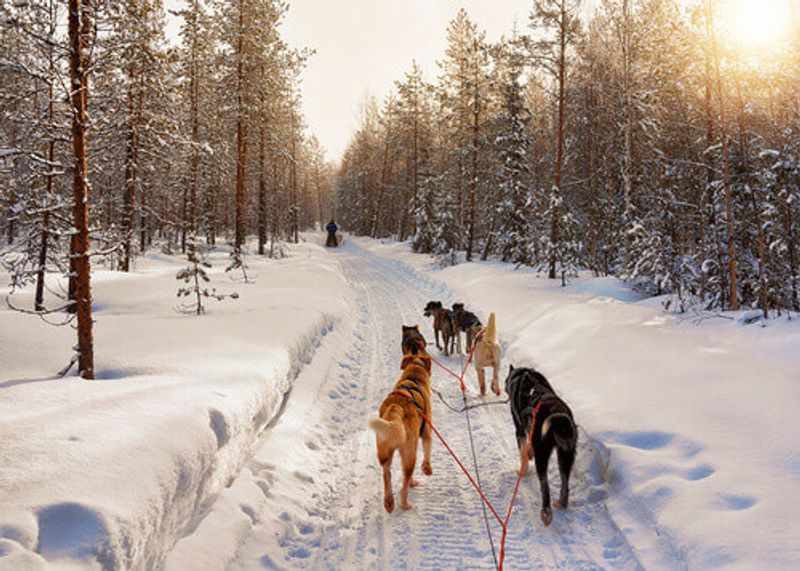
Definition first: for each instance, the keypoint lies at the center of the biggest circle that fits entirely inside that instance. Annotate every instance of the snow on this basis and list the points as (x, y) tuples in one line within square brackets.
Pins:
[(699, 420), (114, 470), (187, 455)]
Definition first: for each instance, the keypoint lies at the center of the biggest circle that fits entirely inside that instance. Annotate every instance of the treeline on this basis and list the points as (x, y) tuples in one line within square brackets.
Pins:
[(640, 140), (160, 142)]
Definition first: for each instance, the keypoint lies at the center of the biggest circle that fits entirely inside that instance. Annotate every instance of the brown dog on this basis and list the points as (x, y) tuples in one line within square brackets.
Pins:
[(444, 323), (401, 425), (413, 342)]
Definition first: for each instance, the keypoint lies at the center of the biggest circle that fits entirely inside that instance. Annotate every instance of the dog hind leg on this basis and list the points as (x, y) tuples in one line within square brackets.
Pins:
[(482, 381), (388, 496), (409, 461), (565, 460), (427, 443), (542, 460)]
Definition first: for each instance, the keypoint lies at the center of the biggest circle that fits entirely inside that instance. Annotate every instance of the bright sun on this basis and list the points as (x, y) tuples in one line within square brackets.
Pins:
[(758, 24)]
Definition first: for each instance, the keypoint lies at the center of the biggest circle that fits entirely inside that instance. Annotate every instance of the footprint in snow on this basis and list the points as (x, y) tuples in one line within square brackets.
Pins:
[(303, 477), (641, 439), (699, 473), (735, 502)]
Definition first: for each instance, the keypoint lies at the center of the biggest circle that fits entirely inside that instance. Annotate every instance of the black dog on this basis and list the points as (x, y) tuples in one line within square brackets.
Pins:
[(554, 428), (466, 322), (443, 323)]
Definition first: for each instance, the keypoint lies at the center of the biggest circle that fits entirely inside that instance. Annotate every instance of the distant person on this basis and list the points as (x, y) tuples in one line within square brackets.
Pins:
[(331, 242)]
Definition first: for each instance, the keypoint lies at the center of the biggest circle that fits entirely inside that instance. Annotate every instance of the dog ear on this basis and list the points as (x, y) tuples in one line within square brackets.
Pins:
[(416, 328), (510, 368)]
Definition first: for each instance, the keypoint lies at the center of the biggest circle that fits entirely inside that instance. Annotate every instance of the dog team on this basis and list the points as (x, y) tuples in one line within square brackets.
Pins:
[(405, 414)]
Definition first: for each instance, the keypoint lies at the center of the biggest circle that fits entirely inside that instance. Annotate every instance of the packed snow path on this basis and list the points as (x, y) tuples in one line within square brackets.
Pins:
[(318, 472)]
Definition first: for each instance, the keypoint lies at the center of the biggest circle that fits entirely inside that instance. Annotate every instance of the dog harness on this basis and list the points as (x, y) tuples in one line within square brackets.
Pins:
[(412, 388)]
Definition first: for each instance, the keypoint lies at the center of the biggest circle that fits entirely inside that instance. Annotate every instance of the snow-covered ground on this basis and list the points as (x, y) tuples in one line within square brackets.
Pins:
[(688, 454), (115, 470), (699, 421)]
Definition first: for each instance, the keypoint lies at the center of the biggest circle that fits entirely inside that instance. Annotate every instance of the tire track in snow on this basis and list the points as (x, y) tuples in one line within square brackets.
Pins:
[(340, 523)]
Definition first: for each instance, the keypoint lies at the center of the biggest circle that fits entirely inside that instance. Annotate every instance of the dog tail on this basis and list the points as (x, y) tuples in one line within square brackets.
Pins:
[(491, 330), (563, 428), (389, 431)]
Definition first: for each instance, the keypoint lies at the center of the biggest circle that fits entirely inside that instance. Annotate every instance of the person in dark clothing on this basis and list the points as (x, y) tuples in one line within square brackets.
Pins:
[(331, 228)]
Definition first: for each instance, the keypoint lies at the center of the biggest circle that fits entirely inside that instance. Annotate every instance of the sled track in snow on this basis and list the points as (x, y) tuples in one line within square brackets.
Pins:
[(342, 523)]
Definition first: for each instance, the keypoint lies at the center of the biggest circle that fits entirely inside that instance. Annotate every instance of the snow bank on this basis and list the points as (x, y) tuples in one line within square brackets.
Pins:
[(700, 420), (111, 473)]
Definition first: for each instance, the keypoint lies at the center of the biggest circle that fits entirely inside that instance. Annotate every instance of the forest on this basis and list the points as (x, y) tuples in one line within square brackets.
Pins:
[(116, 140), (657, 141)]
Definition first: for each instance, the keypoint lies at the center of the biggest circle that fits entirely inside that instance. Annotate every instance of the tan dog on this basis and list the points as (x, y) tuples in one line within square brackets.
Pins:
[(487, 354), (401, 425)]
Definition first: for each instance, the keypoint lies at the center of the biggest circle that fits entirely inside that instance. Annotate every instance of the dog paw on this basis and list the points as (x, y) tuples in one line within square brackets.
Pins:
[(561, 505), (414, 483), (426, 468), (547, 516), (406, 506), (388, 503)]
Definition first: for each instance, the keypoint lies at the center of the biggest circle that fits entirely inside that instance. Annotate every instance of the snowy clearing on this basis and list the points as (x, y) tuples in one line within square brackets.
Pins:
[(687, 455)]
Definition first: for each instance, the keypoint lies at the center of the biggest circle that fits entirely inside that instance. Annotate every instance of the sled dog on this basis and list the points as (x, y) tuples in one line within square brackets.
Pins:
[(401, 425), (554, 428), (412, 341), (487, 354), (444, 324), (467, 323)]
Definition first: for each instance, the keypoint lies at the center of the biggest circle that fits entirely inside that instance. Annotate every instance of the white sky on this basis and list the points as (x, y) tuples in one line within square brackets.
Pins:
[(365, 45)]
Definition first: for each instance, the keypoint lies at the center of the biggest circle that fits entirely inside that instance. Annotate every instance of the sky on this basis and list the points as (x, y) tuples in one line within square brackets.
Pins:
[(363, 46)]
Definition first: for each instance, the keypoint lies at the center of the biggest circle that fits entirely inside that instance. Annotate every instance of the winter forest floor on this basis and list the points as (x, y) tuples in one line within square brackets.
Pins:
[(239, 440)]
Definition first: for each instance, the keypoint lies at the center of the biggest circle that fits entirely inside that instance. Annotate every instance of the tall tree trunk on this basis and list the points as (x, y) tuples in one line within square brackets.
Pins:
[(295, 229), (562, 65), (415, 177), (473, 185), (241, 137), (627, 128), (734, 298), (51, 154), (131, 151), (80, 26), (195, 119), (708, 104), (262, 189)]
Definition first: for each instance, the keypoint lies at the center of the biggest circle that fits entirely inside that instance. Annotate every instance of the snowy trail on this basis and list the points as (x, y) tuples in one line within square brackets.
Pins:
[(321, 481)]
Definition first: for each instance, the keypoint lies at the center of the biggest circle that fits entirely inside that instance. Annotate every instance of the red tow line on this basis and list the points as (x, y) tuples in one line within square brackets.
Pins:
[(503, 522)]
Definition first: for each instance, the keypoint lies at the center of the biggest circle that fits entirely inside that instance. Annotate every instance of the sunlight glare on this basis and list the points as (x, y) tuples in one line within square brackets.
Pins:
[(758, 24)]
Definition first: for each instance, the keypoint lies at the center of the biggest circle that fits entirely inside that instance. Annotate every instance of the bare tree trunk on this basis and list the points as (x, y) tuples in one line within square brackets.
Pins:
[(48, 193), (415, 177), (709, 168), (129, 195), (562, 64), (79, 34), (725, 172), (241, 136), (194, 112), (295, 230), (385, 168), (473, 186), (262, 189), (628, 128)]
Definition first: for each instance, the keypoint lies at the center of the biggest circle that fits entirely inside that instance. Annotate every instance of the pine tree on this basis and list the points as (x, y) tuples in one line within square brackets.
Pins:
[(513, 234)]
